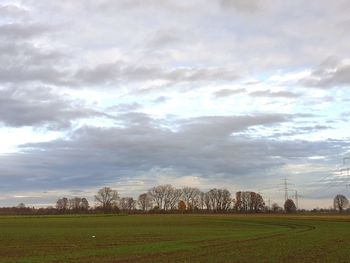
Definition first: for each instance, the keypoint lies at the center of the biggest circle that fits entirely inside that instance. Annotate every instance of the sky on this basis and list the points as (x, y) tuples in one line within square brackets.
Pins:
[(236, 94)]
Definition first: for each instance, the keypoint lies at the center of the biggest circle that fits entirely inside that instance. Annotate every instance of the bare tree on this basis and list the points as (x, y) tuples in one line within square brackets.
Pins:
[(218, 199), (201, 200), (131, 203), (226, 200), (65, 203), (84, 204), (211, 199), (144, 201), (74, 203), (258, 203), (191, 197), (165, 197), (172, 198), (207, 200), (59, 204), (243, 201), (62, 204), (157, 194), (340, 202), (127, 204), (168, 196), (123, 204), (249, 201), (106, 198)]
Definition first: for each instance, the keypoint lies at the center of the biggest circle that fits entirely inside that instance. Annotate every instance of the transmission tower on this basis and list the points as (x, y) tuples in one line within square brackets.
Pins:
[(285, 188), (297, 196)]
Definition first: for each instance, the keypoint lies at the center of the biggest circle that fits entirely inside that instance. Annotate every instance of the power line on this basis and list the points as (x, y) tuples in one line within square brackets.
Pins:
[(335, 179), (296, 197), (285, 188)]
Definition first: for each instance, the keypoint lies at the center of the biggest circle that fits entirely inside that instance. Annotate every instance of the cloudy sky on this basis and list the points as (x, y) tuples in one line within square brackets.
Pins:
[(130, 94)]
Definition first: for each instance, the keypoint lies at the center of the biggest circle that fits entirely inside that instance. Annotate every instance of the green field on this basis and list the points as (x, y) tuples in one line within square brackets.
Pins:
[(175, 238)]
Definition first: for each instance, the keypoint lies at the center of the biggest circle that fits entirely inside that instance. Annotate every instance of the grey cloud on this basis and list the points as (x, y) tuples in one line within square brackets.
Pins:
[(120, 72), (215, 51), (9, 10), (171, 5), (19, 53), (242, 5), (315, 128), (110, 7), (137, 119), (202, 74), (278, 94), (329, 77), (24, 59), (228, 92), (261, 41), (125, 107), (161, 99), (100, 156), (21, 31), (345, 25), (165, 37), (224, 126), (23, 62), (38, 107), (35, 73)]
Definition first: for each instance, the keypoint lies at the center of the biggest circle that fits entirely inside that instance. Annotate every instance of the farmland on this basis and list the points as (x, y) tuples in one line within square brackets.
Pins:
[(175, 238)]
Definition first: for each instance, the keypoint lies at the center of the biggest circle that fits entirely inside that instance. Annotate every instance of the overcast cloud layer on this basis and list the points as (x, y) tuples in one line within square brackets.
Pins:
[(130, 94)]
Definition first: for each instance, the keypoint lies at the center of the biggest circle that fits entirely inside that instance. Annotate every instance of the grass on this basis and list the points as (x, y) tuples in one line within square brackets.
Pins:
[(175, 238)]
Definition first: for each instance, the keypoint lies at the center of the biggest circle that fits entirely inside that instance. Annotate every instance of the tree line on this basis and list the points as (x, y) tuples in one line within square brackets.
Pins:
[(169, 199)]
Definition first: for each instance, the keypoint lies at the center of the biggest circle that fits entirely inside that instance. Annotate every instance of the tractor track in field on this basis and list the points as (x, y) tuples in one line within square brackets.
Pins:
[(217, 245), (304, 228)]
